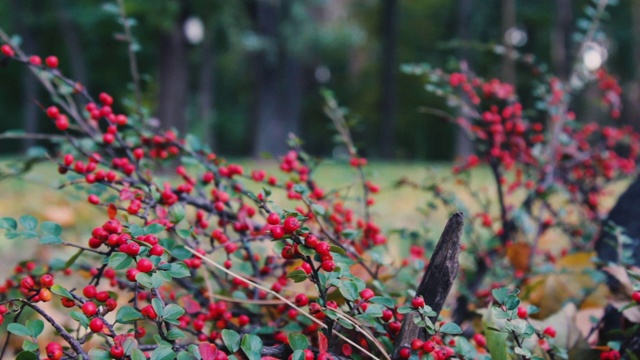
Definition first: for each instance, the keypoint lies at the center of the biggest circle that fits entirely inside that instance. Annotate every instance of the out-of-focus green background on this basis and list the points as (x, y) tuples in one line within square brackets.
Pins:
[(243, 73)]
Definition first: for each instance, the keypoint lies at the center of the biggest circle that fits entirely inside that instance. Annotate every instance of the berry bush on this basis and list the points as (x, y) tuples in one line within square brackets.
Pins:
[(188, 262)]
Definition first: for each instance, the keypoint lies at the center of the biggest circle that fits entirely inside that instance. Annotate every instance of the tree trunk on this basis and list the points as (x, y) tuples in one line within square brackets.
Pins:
[(389, 20), (69, 32), (464, 147), (173, 78), (436, 282), (29, 83), (278, 83), (508, 22), (561, 37), (206, 90), (632, 91)]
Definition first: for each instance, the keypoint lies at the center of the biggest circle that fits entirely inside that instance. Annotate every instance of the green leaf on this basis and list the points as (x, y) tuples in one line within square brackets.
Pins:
[(298, 341), (145, 280), (28, 222), (127, 315), (318, 209), (50, 228), (231, 340), (500, 294), (29, 345), (180, 252), (50, 240), (349, 290), (80, 318), (137, 354), (512, 302), (179, 270), (59, 290), (172, 312), (154, 228), (28, 234), (27, 355), (73, 259), (157, 280), (35, 327), (451, 329), (176, 213), (337, 249), (297, 276), (18, 329), (306, 251), (129, 344), (8, 223), (405, 309), (384, 301), (120, 261), (298, 355), (252, 346), (175, 334), (99, 354), (496, 340), (184, 355), (163, 353), (524, 352)]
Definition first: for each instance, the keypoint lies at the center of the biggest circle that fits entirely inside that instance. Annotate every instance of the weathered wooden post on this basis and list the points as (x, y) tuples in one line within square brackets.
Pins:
[(437, 280)]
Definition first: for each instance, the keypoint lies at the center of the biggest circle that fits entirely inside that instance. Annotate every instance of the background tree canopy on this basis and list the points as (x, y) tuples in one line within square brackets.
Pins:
[(243, 73)]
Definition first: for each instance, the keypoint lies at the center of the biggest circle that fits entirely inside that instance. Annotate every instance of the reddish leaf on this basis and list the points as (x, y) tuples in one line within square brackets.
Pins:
[(208, 351), (112, 211), (191, 306), (323, 344)]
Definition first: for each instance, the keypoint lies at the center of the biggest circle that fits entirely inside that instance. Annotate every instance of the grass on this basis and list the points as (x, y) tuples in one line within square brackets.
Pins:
[(36, 194)]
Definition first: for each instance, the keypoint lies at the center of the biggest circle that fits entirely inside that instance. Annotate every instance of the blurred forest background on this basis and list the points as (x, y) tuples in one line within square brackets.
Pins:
[(241, 74)]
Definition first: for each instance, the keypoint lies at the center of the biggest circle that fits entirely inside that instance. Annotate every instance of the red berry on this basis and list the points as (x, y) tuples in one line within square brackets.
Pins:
[(106, 99), (404, 353), (96, 325), (429, 346), (156, 250), (273, 219), (480, 340), (522, 313), (46, 280), (387, 315), (108, 138), (89, 308), (62, 123), (94, 199), (416, 344), (102, 296), (323, 248), (311, 241), (138, 153), (550, 332), (117, 351), (636, 297), (145, 265), (367, 294), (35, 60), (328, 266), (51, 61), (89, 291), (53, 112), (277, 232), (149, 312), (301, 300), (291, 224), (7, 50), (417, 302), (131, 274)]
